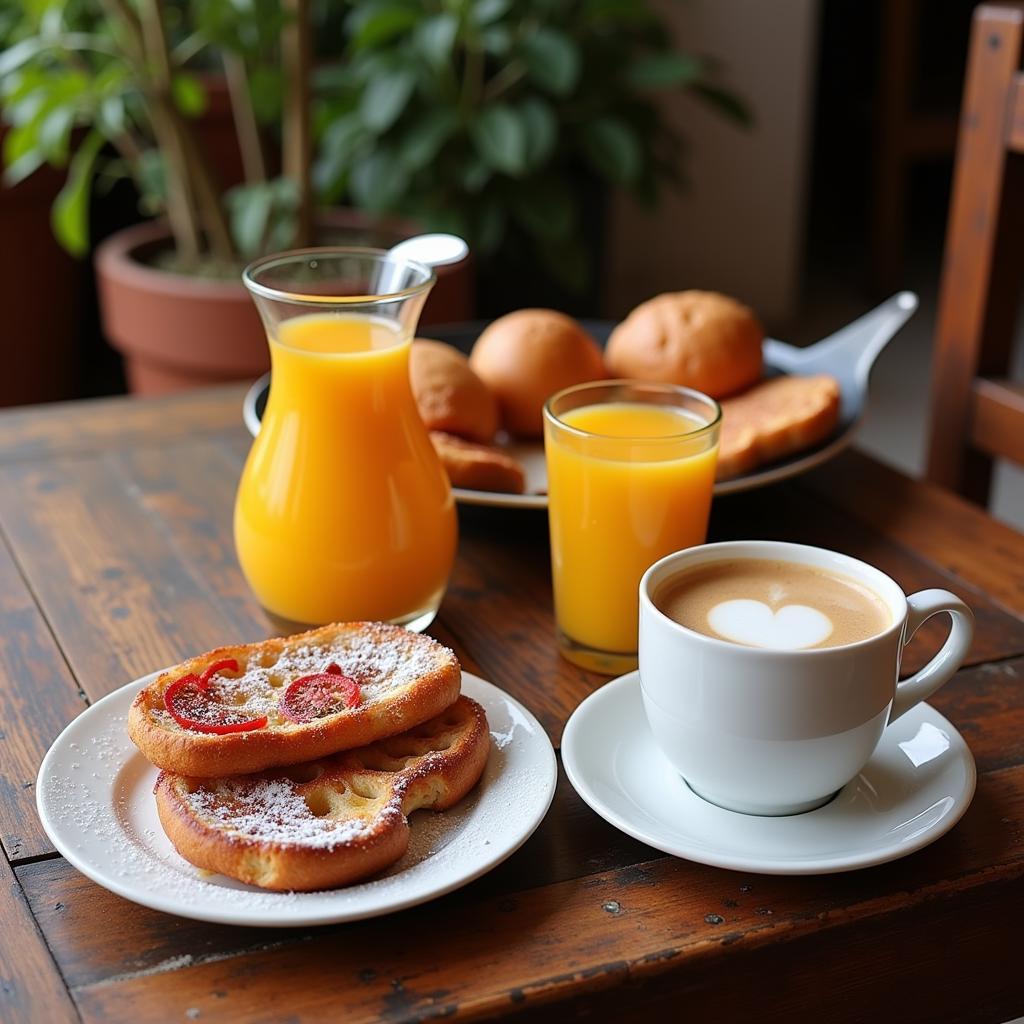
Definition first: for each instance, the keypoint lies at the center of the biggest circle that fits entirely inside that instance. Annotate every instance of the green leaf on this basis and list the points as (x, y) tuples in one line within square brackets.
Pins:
[(250, 207), (70, 213), (541, 129), (382, 25), (664, 70), (20, 169), (55, 134), (343, 134), (499, 135), (385, 98), (726, 103), (612, 149), (111, 117), (552, 60), (485, 11), (496, 40), (435, 37), (189, 94), (20, 53), (474, 174), (379, 181), (423, 140), (266, 86)]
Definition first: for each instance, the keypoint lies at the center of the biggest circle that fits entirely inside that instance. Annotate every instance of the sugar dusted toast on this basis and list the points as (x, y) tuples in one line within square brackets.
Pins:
[(774, 419), (393, 680), (330, 822)]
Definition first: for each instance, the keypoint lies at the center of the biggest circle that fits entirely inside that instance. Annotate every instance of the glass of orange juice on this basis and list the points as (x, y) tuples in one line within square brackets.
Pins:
[(631, 467), (343, 511)]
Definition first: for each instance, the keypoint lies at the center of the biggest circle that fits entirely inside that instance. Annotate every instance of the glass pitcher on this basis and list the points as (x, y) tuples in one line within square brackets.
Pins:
[(344, 511)]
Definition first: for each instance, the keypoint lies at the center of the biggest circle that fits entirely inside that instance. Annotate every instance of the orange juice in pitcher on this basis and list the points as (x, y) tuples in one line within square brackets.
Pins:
[(343, 511)]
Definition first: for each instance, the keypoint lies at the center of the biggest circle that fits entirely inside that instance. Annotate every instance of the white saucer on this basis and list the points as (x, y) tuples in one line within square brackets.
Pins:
[(915, 788), (95, 800)]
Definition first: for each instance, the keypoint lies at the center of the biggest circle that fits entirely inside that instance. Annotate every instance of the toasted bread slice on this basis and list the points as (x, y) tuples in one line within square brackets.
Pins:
[(478, 467), (330, 822), (404, 679), (775, 418)]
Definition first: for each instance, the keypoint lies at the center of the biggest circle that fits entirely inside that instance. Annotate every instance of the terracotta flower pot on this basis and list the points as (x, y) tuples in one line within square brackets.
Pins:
[(177, 332)]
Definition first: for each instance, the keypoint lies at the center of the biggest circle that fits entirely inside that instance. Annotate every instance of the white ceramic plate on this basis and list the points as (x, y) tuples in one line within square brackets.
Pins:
[(915, 788), (95, 800)]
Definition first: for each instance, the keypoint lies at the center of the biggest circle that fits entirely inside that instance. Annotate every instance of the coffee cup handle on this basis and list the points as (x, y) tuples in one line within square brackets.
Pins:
[(921, 685)]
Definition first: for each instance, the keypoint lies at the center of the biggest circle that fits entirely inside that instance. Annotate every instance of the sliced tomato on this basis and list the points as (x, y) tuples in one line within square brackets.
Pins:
[(189, 704), (226, 664), (315, 696)]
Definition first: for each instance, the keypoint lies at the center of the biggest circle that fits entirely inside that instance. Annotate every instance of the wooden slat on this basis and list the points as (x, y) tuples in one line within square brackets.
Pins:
[(39, 697), (573, 843), (97, 424), (980, 275), (1015, 128), (31, 989), (997, 418), (122, 596), (949, 533), (574, 938)]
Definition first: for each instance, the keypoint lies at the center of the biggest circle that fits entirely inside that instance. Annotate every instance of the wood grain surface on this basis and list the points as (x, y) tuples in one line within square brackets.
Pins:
[(119, 559)]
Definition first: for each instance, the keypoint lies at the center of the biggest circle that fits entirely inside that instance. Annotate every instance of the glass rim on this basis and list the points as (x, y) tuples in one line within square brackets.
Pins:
[(676, 389), (325, 251)]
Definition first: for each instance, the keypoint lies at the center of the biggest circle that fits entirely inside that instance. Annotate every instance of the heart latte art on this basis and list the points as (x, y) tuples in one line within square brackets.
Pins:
[(772, 604), (791, 628)]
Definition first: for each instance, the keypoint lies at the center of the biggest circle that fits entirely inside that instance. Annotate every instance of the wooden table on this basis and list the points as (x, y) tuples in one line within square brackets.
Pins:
[(117, 559)]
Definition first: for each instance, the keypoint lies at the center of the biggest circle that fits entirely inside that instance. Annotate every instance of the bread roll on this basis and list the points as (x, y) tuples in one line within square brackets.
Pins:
[(449, 395), (526, 356), (701, 340)]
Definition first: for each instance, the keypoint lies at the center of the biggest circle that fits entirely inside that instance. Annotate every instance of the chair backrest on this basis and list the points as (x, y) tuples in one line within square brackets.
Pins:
[(976, 414)]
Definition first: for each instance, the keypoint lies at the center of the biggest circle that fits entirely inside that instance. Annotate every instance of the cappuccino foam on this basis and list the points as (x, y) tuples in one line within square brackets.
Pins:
[(773, 604)]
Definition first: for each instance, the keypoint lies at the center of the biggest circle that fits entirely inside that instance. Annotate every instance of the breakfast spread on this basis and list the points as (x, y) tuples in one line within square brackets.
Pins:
[(696, 339), (329, 822), (294, 763), (284, 701)]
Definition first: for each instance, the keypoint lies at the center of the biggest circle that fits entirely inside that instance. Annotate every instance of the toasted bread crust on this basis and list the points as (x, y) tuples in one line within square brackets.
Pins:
[(478, 467), (455, 747), (776, 418), (419, 695)]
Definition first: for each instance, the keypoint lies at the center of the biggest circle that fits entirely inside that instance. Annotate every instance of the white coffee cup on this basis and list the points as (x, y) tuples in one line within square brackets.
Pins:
[(774, 732)]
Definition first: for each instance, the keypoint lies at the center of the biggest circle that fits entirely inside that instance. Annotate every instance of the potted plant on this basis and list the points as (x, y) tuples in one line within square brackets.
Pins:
[(507, 122), (107, 88)]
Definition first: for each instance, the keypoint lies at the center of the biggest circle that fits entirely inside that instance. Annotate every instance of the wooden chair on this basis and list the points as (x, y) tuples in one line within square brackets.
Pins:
[(976, 415)]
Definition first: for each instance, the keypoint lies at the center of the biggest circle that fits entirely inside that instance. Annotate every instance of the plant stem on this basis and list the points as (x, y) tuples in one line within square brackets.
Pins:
[(246, 128), (295, 129), (194, 180)]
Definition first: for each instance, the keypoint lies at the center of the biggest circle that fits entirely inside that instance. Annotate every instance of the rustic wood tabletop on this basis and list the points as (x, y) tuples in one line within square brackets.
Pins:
[(117, 559)]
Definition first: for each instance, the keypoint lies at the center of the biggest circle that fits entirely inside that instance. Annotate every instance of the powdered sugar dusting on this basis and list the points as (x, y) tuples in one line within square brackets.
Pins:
[(379, 664), (102, 817), (273, 811)]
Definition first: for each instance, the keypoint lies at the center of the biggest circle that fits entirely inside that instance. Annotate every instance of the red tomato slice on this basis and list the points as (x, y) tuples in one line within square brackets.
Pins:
[(218, 666), (313, 697), (191, 707)]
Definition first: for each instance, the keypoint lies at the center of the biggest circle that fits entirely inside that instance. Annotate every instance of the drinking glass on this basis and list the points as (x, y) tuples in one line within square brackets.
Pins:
[(631, 468), (344, 511)]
